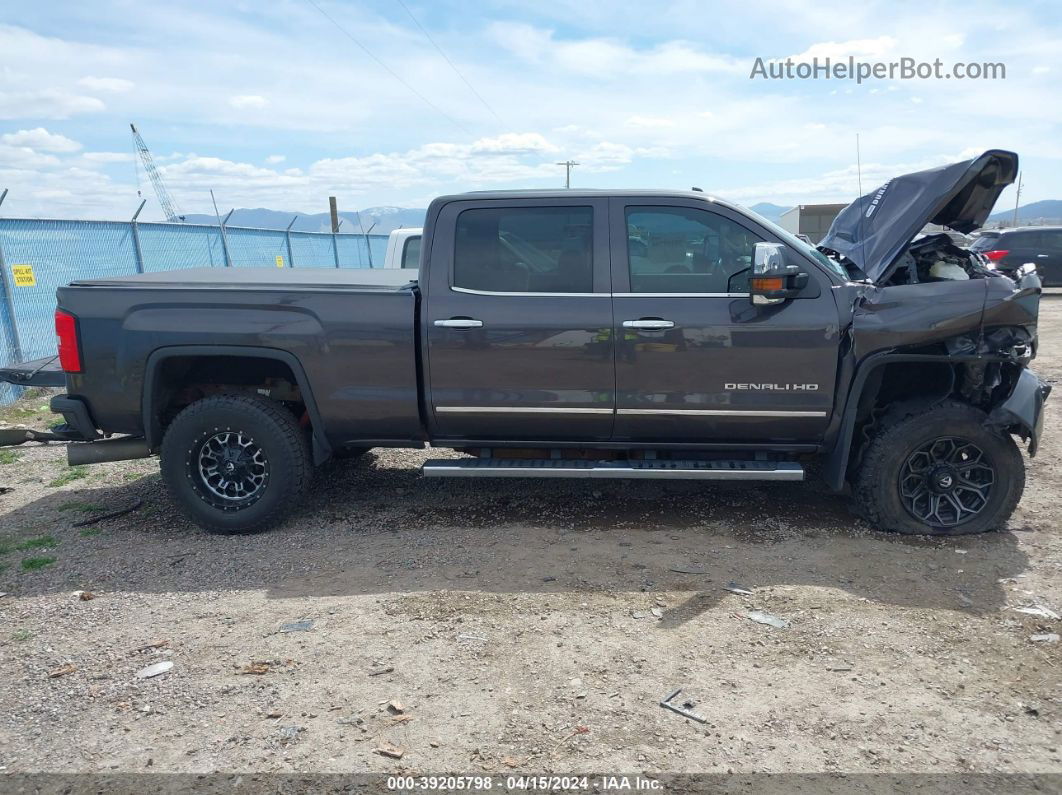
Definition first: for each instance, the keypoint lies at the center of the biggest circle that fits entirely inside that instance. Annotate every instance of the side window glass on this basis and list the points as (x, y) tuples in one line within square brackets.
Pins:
[(1051, 239), (685, 250), (1027, 239), (525, 250), (411, 253)]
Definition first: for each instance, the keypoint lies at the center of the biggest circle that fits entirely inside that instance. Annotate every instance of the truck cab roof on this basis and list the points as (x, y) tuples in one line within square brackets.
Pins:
[(588, 193)]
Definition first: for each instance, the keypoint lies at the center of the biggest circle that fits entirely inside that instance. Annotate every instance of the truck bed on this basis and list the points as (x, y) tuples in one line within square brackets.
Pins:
[(263, 278), (352, 333)]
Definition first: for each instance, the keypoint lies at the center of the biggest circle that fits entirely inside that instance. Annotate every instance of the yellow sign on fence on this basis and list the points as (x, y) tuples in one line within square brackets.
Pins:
[(23, 276), (280, 261)]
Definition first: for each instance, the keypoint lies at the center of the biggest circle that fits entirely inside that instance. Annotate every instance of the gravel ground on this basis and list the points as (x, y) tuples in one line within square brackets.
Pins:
[(521, 626)]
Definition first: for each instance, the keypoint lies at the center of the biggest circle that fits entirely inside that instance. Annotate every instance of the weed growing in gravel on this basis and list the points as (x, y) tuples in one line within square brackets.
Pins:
[(37, 543), (81, 507), (21, 634), (88, 532), (9, 456), (71, 474), (33, 564), (128, 476)]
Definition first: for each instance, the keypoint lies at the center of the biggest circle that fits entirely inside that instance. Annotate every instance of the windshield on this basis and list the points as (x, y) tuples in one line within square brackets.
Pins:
[(795, 242)]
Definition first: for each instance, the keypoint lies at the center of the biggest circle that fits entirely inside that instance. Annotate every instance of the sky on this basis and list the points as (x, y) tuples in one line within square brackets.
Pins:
[(270, 104)]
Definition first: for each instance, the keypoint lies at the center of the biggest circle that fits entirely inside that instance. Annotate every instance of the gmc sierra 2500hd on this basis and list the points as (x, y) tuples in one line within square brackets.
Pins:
[(622, 334)]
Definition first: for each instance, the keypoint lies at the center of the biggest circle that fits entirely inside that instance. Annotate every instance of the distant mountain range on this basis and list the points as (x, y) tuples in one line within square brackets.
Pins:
[(381, 220), (772, 212), (1048, 208)]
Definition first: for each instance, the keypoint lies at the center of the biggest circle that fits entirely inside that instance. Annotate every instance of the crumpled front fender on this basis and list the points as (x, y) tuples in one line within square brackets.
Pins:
[(1024, 409)]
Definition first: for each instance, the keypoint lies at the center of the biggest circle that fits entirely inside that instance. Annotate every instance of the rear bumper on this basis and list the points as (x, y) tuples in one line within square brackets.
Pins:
[(1024, 409), (79, 422)]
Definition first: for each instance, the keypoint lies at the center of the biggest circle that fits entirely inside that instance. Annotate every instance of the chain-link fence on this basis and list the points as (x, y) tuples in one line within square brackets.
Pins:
[(37, 256)]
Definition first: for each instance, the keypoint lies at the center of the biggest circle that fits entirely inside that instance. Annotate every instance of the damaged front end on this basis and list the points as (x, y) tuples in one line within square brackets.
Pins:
[(1008, 336), (931, 321), (966, 339)]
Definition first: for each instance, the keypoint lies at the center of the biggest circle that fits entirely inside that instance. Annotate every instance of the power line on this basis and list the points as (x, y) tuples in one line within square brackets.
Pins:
[(451, 63), (391, 72)]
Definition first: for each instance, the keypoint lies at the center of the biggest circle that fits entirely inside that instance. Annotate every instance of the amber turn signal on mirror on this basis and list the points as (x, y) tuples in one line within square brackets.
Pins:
[(768, 284)]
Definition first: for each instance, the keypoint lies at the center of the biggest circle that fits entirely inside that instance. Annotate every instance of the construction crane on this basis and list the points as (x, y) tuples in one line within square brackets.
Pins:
[(168, 206)]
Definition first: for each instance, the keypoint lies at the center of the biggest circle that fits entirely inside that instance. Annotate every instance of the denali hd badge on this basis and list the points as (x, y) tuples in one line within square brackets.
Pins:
[(773, 387)]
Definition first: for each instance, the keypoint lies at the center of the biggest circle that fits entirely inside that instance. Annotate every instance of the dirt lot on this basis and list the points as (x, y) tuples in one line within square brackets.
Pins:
[(521, 626)]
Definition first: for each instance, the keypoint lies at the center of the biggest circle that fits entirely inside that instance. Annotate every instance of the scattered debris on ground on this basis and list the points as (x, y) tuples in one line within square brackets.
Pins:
[(157, 669)]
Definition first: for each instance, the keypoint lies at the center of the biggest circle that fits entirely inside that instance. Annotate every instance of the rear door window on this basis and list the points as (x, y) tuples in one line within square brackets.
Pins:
[(1052, 239), (1023, 239), (525, 250)]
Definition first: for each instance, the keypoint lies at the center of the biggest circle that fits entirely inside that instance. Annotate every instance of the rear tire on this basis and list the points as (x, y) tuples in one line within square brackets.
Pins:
[(235, 463), (936, 470)]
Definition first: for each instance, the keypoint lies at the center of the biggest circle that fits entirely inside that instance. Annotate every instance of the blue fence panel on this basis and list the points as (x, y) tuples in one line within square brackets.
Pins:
[(256, 248), (378, 246), (353, 253), (169, 247), (57, 252), (41, 255), (312, 250)]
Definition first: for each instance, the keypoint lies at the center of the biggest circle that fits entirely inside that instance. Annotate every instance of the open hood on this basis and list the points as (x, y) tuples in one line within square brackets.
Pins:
[(874, 230)]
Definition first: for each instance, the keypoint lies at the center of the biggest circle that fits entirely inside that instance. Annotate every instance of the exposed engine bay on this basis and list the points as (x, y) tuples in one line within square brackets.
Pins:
[(935, 258)]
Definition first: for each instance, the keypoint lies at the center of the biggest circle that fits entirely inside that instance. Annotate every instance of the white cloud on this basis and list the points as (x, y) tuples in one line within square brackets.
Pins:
[(650, 122), (248, 102), (514, 143), (47, 103), (116, 85), (274, 159), (607, 57), (21, 157), (41, 140), (861, 49), (108, 157)]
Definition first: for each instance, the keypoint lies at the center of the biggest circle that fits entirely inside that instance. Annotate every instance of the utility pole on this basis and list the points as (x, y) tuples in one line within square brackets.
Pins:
[(334, 213), (568, 164), (1017, 198)]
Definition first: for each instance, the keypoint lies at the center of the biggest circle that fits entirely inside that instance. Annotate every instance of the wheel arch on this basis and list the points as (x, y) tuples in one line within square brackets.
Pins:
[(866, 386), (152, 395)]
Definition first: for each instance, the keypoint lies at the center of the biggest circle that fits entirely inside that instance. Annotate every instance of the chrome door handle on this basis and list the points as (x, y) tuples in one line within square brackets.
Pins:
[(649, 325), (1043, 256), (459, 322)]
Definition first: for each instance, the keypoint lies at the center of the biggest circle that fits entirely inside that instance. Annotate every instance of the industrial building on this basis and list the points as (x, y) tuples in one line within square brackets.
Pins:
[(812, 220)]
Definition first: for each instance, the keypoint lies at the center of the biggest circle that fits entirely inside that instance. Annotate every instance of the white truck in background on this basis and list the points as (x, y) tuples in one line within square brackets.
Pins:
[(403, 248)]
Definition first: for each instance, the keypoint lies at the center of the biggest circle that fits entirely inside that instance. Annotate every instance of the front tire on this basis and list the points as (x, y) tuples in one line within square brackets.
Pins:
[(235, 463), (937, 470)]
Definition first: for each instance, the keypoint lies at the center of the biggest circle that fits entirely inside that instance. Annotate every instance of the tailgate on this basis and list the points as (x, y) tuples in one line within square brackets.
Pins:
[(39, 372)]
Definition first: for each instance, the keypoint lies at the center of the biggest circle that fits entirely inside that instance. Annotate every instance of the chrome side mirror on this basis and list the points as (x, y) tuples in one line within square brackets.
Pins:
[(774, 280)]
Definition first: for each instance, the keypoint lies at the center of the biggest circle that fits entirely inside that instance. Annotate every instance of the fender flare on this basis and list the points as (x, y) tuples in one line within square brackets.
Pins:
[(322, 450), (835, 462)]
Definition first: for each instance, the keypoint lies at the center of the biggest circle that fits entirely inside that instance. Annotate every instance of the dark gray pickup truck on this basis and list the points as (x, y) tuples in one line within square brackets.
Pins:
[(585, 334)]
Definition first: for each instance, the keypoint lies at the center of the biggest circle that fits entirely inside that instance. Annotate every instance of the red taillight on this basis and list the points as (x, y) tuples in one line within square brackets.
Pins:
[(997, 254), (66, 333)]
